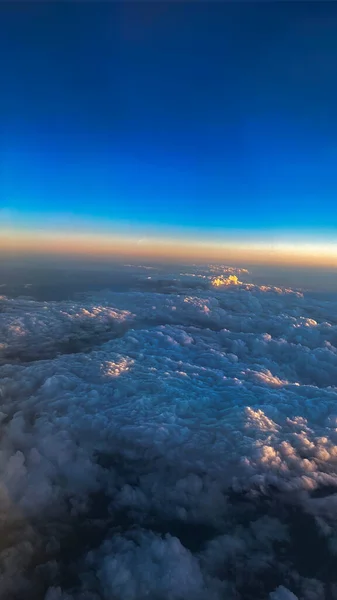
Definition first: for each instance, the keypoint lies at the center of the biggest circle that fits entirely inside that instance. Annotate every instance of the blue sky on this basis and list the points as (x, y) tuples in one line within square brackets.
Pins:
[(193, 115)]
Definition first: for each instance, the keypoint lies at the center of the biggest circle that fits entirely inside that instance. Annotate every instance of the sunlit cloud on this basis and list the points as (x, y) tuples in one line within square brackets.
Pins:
[(230, 280), (115, 368)]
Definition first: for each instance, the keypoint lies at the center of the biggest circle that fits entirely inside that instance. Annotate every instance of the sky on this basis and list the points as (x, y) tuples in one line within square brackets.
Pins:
[(157, 127)]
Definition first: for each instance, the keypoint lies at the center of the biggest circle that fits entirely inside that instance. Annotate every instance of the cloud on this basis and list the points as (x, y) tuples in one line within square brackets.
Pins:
[(168, 445), (282, 594), (31, 330), (230, 280)]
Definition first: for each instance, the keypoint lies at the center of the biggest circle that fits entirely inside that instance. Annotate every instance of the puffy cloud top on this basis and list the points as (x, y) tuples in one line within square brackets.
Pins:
[(169, 445)]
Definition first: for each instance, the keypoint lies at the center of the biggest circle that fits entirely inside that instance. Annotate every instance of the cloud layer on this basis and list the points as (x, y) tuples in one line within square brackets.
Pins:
[(169, 445)]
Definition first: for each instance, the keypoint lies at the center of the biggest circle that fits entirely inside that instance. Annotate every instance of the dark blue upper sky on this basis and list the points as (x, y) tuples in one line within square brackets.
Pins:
[(200, 114)]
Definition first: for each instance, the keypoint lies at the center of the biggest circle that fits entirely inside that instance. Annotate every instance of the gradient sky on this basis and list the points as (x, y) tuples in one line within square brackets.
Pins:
[(206, 117)]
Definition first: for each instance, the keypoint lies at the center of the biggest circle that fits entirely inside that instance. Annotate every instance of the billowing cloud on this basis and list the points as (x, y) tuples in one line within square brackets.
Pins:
[(169, 445)]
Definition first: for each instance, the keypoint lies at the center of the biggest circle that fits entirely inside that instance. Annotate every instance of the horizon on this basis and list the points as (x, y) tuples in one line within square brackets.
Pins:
[(173, 245), (204, 126)]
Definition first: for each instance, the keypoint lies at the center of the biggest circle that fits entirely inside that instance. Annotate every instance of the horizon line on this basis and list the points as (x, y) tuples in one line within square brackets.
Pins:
[(301, 252)]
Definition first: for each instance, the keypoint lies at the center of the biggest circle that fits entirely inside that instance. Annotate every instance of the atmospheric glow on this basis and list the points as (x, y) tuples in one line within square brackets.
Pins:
[(159, 150), (170, 247)]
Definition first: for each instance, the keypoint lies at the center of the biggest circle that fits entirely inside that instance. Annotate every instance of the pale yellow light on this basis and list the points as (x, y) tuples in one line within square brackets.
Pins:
[(95, 245)]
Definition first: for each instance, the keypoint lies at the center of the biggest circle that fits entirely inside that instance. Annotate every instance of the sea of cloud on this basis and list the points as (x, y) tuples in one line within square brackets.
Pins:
[(169, 445)]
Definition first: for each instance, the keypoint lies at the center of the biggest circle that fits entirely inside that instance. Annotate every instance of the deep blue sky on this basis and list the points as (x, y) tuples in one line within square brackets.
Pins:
[(200, 114)]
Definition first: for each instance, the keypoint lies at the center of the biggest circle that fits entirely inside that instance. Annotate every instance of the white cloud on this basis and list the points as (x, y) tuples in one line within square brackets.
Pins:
[(282, 594)]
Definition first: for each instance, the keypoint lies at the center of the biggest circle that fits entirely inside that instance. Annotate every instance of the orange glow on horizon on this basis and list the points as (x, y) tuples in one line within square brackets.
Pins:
[(16, 242)]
